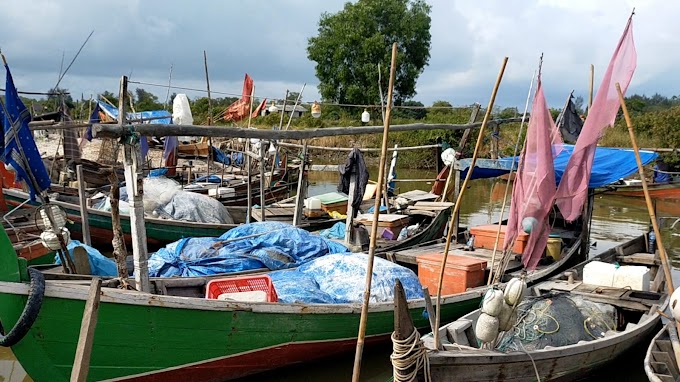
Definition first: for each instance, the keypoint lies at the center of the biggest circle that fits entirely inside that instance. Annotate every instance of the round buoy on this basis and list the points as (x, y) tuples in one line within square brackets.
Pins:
[(492, 302), (675, 305), (514, 291), (529, 223), (507, 318), (486, 328)]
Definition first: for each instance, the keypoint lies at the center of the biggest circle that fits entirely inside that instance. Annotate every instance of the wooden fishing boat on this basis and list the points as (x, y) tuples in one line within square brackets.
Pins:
[(660, 362), (656, 191), (637, 311), (234, 339)]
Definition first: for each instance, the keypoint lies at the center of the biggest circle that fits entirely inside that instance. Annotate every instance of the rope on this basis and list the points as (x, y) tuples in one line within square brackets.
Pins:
[(408, 354), (538, 377)]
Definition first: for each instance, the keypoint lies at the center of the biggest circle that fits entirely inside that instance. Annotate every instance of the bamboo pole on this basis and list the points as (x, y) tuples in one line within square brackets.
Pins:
[(652, 215), (301, 188), (249, 163), (590, 90), (82, 197), (456, 207), (650, 208), (374, 228), (507, 187), (283, 109), (207, 82), (461, 147)]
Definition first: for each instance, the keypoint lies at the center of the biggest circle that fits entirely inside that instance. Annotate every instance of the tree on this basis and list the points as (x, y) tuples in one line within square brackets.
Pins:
[(292, 96), (411, 110), (352, 42), (146, 101)]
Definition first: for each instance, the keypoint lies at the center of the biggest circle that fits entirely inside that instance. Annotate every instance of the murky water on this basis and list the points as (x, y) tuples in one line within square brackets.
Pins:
[(614, 219)]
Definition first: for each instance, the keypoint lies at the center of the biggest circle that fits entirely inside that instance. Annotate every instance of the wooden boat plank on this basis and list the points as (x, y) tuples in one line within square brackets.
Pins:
[(666, 347), (662, 356)]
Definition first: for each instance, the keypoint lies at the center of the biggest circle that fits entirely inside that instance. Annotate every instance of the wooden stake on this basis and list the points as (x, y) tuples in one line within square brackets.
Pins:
[(590, 90), (301, 189), (507, 187), (84, 216), (374, 228), (81, 364), (650, 208), (135, 189), (350, 201), (249, 163), (118, 242), (263, 203), (283, 110), (456, 207), (207, 82), (461, 147)]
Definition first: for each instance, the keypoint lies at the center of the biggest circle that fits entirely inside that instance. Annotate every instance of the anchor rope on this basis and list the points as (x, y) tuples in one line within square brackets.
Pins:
[(409, 353)]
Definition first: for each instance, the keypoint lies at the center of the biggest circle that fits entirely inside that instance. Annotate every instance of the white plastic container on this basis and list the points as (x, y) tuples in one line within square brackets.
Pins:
[(635, 277), (313, 203), (221, 191), (599, 273), (249, 296)]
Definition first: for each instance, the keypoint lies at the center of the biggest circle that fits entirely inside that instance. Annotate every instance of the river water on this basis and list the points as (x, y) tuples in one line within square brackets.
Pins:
[(614, 219)]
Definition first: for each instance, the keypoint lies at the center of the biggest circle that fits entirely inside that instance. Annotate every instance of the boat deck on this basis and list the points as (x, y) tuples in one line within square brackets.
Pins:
[(409, 256)]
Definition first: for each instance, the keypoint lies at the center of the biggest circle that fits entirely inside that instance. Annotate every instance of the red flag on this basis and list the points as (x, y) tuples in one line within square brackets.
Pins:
[(241, 108), (259, 108), (573, 189), (534, 188)]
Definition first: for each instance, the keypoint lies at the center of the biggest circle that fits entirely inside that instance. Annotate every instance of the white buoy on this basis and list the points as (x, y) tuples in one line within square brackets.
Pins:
[(492, 303), (486, 328), (675, 305), (514, 291), (507, 318)]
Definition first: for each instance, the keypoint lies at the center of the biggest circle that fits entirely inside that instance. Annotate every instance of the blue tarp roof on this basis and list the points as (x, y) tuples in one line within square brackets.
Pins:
[(113, 113), (610, 165)]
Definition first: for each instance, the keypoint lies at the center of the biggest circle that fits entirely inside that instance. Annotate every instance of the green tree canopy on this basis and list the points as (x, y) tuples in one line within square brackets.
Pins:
[(352, 42)]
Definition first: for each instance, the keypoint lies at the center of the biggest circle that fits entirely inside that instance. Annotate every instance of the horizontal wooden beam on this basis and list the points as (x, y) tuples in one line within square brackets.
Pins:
[(363, 149), (161, 130)]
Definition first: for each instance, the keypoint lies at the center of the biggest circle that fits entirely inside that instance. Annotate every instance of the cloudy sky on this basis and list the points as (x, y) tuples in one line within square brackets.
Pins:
[(268, 40)]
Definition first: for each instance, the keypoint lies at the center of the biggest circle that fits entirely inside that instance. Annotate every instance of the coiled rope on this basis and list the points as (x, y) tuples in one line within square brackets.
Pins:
[(409, 353)]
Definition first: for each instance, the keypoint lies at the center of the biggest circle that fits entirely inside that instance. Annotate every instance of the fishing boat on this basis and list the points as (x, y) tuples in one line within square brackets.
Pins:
[(660, 362), (634, 189), (637, 312), (235, 339)]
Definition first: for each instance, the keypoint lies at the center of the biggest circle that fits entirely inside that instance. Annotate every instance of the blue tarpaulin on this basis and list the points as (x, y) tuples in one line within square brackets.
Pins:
[(100, 265), (272, 245), (610, 165)]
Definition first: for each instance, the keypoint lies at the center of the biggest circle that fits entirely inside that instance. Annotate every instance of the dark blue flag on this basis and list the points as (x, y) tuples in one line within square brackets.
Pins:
[(94, 118), (20, 151)]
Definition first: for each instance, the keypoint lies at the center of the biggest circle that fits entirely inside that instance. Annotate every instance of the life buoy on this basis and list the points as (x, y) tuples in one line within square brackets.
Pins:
[(36, 293)]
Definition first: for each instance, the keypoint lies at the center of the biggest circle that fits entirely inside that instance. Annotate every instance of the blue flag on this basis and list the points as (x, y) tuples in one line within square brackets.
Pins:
[(20, 151), (94, 118)]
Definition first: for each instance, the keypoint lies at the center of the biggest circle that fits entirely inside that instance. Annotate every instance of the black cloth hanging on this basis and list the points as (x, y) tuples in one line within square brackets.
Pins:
[(355, 160)]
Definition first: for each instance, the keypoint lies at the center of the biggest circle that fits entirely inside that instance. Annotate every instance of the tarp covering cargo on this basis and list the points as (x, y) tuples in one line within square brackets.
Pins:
[(272, 245), (610, 164), (339, 278)]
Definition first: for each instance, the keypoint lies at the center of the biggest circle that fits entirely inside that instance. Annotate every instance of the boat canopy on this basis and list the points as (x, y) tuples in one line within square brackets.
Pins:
[(610, 165)]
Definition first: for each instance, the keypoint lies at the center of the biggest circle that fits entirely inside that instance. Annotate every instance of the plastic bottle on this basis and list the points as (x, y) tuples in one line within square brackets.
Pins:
[(652, 242)]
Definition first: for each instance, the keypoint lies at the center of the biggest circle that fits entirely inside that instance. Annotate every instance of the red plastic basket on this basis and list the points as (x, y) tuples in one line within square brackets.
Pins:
[(241, 284)]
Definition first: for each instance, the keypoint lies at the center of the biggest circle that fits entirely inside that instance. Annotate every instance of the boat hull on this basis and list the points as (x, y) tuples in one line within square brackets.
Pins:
[(656, 191), (164, 338)]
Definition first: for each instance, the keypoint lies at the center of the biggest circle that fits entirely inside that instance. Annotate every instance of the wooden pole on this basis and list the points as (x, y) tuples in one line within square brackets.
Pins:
[(118, 242), (650, 208), (461, 147), (84, 216), (210, 121), (590, 89), (301, 189), (263, 203), (456, 207), (283, 110), (134, 180), (350, 201), (249, 163), (374, 228), (295, 105), (403, 328), (103, 130), (81, 364), (507, 186)]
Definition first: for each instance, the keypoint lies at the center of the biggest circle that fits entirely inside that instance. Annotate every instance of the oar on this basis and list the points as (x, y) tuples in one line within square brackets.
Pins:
[(652, 215)]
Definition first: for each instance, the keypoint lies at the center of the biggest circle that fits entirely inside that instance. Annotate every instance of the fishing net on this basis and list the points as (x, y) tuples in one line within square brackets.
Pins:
[(557, 320)]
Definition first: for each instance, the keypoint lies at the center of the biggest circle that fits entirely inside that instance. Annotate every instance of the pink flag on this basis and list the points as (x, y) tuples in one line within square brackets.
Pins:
[(533, 192), (573, 189)]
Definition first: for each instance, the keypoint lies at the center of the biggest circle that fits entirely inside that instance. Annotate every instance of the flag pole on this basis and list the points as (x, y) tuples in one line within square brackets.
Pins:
[(590, 91), (456, 207), (374, 228)]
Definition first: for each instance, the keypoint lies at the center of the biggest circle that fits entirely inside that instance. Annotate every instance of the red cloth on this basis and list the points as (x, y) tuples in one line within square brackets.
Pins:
[(534, 188), (258, 110), (573, 189), (241, 108)]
